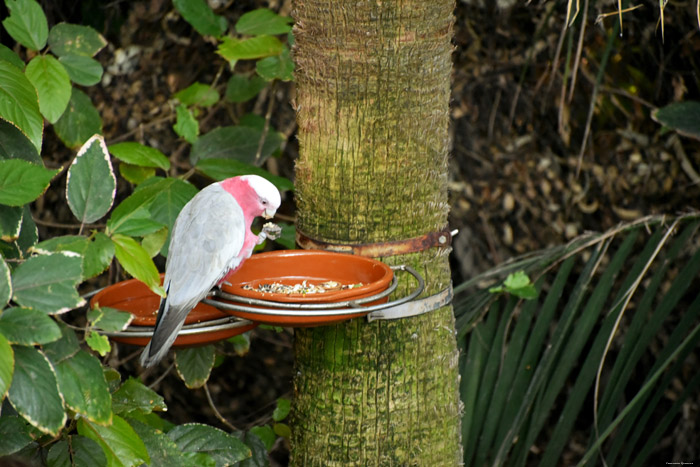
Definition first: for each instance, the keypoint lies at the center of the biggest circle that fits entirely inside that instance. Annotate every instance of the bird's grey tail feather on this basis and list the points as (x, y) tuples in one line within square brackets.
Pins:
[(164, 335)]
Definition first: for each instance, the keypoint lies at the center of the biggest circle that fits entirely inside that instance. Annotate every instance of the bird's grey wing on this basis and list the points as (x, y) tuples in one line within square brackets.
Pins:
[(207, 236)]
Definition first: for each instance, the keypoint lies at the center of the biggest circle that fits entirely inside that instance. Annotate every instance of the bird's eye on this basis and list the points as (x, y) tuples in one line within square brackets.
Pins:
[(264, 202)]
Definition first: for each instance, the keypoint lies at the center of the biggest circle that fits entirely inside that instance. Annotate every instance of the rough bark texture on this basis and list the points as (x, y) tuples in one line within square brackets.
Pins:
[(373, 89)]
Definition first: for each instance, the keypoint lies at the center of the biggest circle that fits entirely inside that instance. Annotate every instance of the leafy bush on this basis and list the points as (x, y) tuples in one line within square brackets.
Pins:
[(62, 405)]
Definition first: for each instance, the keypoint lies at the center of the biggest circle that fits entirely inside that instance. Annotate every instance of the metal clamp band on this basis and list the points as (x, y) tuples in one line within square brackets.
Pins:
[(414, 307)]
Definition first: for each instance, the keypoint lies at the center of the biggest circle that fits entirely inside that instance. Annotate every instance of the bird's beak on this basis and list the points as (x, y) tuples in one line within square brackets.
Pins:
[(269, 213)]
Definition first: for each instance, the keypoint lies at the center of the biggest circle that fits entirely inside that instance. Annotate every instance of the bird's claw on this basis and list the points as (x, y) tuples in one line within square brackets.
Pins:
[(271, 231)]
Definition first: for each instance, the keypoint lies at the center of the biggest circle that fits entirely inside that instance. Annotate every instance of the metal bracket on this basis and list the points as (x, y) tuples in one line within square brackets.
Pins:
[(415, 307)]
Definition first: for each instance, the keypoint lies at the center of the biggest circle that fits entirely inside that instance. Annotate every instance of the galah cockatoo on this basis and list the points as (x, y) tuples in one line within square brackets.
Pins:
[(210, 239)]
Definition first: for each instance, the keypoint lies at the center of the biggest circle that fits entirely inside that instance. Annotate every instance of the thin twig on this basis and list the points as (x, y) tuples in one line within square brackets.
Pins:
[(221, 418), (162, 376), (266, 128)]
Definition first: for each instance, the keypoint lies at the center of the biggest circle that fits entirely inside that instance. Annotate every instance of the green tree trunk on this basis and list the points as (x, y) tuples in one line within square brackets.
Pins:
[(373, 90)]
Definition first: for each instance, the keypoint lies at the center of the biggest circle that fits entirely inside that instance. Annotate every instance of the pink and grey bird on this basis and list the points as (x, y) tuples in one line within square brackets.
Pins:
[(210, 240)]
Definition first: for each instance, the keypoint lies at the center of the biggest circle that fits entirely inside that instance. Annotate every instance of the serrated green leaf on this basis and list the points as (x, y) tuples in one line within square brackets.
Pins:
[(79, 122), (22, 182), (47, 282), (282, 409), (161, 449), (82, 70), (194, 365), (120, 443), (233, 49), (201, 17), (221, 169), (84, 387), (76, 451), (75, 39), (224, 448), (154, 242), (9, 55), (186, 126), (135, 174), (91, 184), (7, 366), (241, 89), (139, 154), (27, 23), (64, 347), (263, 21), (279, 67), (109, 319), (15, 434), (5, 283), (16, 145), (98, 256), (98, 343), (19, 103), (266, 436), (52, 83), (134, 396), (34, 391), (136, 261), (235, 142), (25, 326), (10, 222), (198, 94)]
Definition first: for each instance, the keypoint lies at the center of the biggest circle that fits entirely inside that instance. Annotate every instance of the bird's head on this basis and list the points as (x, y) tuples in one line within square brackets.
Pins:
[(268, 197)]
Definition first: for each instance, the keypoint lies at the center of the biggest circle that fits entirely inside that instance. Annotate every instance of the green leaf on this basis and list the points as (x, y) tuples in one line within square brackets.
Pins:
[(5, 284), (168, 204), (135, 174), (91, 185), (98, 255), (241, 343), (224, 448), (221, 169), (201, 17), (233, 49), (9, 55), (265, 434), (109, 319), (34, 391), (282, 409), (63, 348), (683, 117), (241, 89), (263, 21), (282, 429), (97, 251), (134, 396), (28, 233), (194, 365), (518, 284), (133, 213), (52, 83), (16, 145), (186, 126), (136, 261), (84, 387), (75, 39), (280, 67), (98, 343), (161, 449), (138, 154), (10, 222), (15, 434), (119, 441), (235, 142), (154, 242), (47, 282), (76, 451), (79, 122), (7, 366), (22, 182), (198, 94), (82, 70), (27, 23), (25, 326), (19, 103)]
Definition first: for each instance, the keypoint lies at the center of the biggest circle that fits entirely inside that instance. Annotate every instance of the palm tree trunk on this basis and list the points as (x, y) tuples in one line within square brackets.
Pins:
[(373, 89)]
